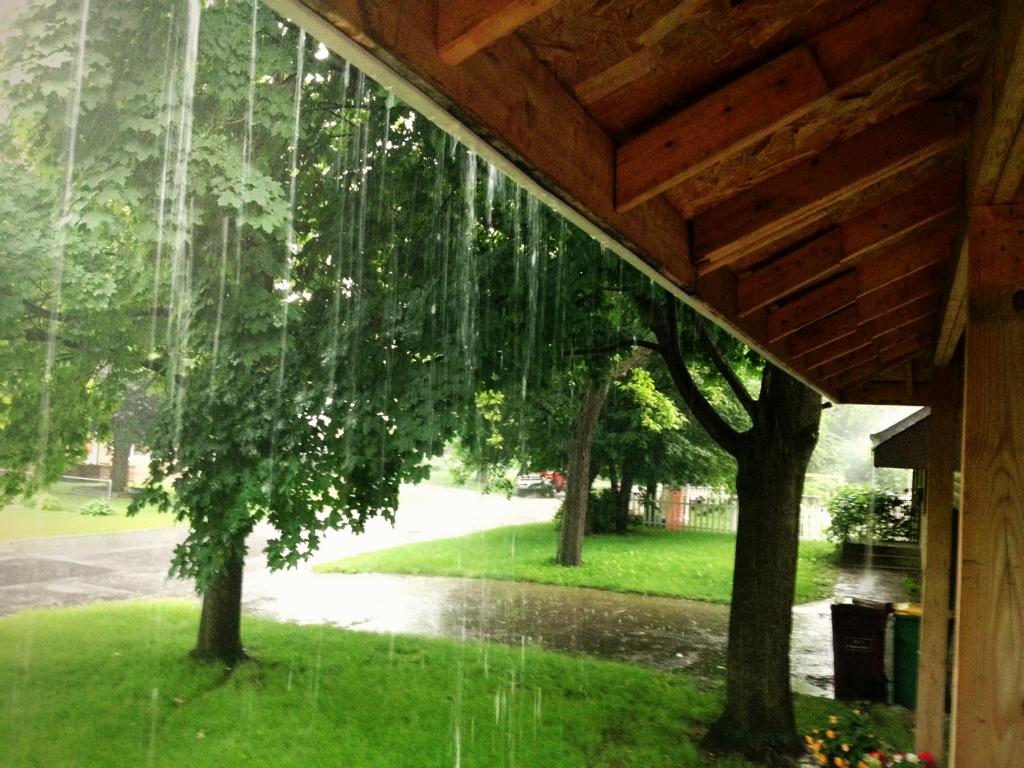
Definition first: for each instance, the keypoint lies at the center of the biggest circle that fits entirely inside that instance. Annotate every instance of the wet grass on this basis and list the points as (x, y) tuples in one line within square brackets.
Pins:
[(58, 512), (655, 562), (111, 685)]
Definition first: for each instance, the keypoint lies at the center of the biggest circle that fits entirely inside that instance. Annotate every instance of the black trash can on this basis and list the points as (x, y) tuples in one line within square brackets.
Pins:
[(858, 650)]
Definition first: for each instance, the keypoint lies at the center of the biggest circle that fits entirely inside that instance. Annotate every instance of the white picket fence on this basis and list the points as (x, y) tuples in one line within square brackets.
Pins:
[(695, 508)]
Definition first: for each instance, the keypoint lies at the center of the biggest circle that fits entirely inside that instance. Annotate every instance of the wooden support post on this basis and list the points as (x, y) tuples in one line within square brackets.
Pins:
[(988, 690), (930, 728)]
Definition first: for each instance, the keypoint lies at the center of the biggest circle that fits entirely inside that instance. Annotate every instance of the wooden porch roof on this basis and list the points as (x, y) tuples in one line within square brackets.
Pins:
[(796, 169)]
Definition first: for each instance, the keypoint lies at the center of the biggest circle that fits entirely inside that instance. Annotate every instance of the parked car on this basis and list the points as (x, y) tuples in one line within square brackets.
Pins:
[(540, 484)]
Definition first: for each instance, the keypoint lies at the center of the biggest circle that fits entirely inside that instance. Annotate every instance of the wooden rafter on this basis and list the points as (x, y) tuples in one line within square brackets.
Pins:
[(466, 27), (857, 55), (738, 115), (765, 215), (878, 62), (896, 221), (883, 283)]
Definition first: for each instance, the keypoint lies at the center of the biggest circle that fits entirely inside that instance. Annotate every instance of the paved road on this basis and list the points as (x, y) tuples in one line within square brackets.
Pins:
[(664, 633), (73, 570)]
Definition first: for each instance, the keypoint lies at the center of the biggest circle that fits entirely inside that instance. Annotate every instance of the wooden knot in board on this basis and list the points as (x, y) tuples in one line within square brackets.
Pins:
[(1018, 300)]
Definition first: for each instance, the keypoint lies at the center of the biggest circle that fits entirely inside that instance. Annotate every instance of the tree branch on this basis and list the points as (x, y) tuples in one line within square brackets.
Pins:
[(665, 325), (726, 371), (619, 346)]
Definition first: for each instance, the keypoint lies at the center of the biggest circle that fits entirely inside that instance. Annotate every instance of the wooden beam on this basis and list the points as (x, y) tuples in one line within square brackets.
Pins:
[(878, 62), (537, 132), (827, 298), (789, 273), (823, 332), (851, 243), (888, 393), (465, 27), (918, 286), (988, 688), (937, 541), (996, 156), (954, 314), (885, 268), (765, 214), (1000, 114), (728, 120), (904, 217), (876, 289)]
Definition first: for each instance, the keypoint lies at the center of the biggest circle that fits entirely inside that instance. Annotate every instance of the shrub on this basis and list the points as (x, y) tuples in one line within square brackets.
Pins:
[(50, 502), (863, 513), (97, 508)]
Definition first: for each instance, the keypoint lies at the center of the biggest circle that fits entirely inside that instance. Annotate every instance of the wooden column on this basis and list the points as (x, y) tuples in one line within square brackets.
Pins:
[(930, 730), (988, 691)]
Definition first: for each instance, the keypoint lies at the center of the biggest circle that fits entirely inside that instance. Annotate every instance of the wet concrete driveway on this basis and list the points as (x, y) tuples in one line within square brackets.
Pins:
[(665, 633)]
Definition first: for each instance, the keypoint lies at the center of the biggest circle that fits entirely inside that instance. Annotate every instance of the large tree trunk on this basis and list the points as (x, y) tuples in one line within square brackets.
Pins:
[(220, 627), (772, 461), (577, 492), (121, 450)]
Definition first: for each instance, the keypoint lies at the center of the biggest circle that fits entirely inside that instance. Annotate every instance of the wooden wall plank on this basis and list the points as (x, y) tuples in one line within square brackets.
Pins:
[(771, 210), (988, 691), (822, 332), (466, 27), (837, 348), (731, 118), (875, 291), (855, 359)]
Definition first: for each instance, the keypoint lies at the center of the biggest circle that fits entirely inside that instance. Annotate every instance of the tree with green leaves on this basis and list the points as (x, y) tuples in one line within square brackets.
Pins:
[(231, 225), (772, 446)]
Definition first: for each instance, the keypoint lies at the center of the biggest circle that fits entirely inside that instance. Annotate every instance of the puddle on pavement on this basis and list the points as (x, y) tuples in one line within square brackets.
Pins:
[(659, 632)]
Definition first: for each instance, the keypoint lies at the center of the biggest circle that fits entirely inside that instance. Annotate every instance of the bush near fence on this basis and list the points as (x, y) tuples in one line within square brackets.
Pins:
[(861, 513)]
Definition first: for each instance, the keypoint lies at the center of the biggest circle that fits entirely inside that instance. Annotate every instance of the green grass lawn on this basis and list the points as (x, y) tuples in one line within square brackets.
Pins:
[(111, 685), (58, 512), (657, 562)]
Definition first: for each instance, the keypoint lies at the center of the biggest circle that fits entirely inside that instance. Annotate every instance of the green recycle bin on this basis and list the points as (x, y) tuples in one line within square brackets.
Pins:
[(906, 644)]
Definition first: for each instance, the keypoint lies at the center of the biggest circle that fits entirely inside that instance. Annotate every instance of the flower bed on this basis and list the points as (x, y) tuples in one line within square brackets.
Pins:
[(847, 742)]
